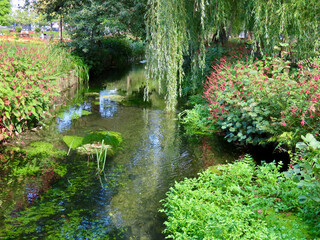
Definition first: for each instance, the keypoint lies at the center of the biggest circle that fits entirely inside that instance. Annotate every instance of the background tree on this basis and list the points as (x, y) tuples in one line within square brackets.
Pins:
[(23, 17), (4, 11)]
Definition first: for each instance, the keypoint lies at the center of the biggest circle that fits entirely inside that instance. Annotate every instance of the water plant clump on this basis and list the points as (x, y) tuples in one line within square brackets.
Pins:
[(91, 142)]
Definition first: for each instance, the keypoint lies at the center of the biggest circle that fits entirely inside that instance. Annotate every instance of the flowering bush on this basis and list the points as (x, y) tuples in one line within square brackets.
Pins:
[(265, 100), (28, 83)]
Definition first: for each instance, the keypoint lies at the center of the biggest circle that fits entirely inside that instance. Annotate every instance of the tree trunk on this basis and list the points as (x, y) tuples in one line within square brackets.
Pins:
[(60, 28)]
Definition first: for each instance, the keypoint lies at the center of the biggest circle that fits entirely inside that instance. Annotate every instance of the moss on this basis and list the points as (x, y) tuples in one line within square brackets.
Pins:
[(113, 139), (73, 142), (43, 149), (287, 220), (75, 115), (92, 94), (115, 98)]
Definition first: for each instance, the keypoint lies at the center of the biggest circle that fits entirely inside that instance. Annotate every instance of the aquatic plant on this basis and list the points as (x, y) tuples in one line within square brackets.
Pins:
[(101, 156)]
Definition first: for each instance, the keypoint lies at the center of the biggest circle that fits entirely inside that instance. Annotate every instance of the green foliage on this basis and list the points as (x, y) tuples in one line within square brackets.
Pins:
[(30, 80), (182, 28), (18, 29), (306, 170), (110, 138), (196, 120), (37, 29), (108, 52), (267, 100), (4, 11), (237, 201)]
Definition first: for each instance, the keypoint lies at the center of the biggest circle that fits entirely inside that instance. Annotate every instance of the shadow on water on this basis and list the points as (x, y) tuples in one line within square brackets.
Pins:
[(123, 202)]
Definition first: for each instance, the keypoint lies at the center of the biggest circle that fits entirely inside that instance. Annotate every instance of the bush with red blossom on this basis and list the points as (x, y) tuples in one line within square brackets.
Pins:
[(267, 100), (28, 84)]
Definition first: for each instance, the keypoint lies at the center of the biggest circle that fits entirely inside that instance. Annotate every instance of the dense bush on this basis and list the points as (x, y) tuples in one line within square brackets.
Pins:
[(108, 52), (239, 201), (18, 29), (305, 167), (265, 100), (29, 77), (37, 29)]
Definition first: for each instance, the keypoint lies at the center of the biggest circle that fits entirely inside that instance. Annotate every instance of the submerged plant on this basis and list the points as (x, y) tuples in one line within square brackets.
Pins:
[(101, 156)]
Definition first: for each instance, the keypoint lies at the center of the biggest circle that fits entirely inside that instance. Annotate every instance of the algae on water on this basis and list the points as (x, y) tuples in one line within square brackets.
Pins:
[(43, 149), (87, 144)]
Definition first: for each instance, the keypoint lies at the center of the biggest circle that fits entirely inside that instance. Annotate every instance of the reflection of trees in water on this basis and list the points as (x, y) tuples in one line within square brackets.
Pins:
[(67, 211), (149, 167), (107, 108), (65, 120)]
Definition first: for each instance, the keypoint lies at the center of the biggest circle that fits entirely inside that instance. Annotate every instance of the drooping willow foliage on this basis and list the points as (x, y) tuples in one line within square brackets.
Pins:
[(179, 28)]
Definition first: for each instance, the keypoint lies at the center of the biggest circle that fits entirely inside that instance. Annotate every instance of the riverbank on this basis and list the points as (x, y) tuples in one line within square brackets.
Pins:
[(32, 79)]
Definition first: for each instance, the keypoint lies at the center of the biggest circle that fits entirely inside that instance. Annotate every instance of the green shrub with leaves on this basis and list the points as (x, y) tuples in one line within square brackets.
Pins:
[(237, 201), (267, 100), (305, 168), (196, 120), (29, 83), (108, 52), (18, 29)]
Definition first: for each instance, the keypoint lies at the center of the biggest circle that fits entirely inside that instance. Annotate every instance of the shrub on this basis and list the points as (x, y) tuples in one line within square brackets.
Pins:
[(108, 52), (305, 167), (266, 100), (18, 29), (29, 83), (236, 201), (37, 29)]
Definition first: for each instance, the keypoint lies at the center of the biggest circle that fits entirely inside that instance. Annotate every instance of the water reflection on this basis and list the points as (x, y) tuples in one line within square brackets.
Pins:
[(151, 169), (107, 107), (64, 120)]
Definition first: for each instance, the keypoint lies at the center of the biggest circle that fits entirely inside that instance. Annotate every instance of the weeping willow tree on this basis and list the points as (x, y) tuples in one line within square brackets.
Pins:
[(179, 28)]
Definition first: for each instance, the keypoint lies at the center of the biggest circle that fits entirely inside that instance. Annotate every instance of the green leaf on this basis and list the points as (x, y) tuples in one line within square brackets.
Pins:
[(301, 145), (302, 199)]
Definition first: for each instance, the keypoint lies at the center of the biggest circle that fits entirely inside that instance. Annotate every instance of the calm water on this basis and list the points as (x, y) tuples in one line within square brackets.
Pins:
[(122, 203)]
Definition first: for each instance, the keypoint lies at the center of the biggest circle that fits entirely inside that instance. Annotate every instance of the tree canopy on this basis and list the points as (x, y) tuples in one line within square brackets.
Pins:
[(4, 11), (93, 17), (177, 28)]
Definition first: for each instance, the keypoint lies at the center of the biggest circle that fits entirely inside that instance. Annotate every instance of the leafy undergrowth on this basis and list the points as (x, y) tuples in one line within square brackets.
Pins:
[(240, 201)]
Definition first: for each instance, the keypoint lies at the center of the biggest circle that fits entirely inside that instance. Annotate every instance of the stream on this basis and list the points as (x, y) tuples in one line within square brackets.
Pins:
[(124, 201)]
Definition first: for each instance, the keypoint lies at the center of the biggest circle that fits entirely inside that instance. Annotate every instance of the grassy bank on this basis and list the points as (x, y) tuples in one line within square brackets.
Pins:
[(29, 80)]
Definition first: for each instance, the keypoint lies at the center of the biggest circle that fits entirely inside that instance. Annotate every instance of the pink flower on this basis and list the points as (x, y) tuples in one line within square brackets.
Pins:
[(302, 122)]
